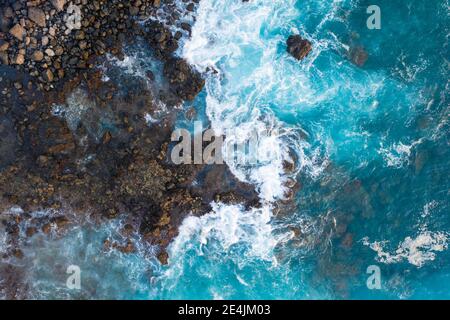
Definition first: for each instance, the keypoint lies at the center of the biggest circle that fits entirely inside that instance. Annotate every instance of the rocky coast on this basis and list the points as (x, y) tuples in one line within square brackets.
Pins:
[(110, 162)]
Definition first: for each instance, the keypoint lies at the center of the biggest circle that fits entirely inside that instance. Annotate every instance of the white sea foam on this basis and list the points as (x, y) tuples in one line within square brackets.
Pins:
[(130, 64), (224, 228), (417, 251), (241, 90), (138, 63), (112, 273), (149, 119), (229, 225), (428, 208), (77, 105), (398, 154)]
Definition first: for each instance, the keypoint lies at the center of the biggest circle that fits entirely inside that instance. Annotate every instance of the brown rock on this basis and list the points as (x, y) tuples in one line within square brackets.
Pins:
[(48, 75), (37, 16), (61, 222), (20, 59), (49, 52), (163, 257), (52, 31), (3, 45), (128, 248), (30, 231), (298, 47), (106, 137), (42, 160), (59, 4), (184, 80), (46, 228), (79, 35), (37, 56), (17, 31), (59, 50), (190, 7), (83, 45), (18, 253)]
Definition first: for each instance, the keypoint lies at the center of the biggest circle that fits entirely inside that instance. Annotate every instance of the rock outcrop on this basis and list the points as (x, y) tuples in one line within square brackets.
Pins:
[(186, 82), (298, 47)]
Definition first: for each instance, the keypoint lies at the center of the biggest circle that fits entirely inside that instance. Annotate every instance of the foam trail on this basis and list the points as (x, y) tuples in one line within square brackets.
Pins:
[(417, 251), (237, 93), (226, 230)]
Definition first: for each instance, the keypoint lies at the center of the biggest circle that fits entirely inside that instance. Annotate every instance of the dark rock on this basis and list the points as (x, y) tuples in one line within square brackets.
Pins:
[(190, 7), (4, 58), (298, 47), (8, 12), (163, 257), (161, 40), (185, 81), (186, 26)]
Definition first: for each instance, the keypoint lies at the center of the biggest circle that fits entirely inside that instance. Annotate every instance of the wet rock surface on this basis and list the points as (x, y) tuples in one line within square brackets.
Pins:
[(186, 82), (298, 47)]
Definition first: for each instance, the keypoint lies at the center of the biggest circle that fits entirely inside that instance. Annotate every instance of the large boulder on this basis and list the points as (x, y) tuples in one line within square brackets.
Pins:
[(298, 47), (37, 16)]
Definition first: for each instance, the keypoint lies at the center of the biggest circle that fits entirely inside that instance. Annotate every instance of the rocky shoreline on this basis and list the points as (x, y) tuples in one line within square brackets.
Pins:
[(56, 40), (93, 169)]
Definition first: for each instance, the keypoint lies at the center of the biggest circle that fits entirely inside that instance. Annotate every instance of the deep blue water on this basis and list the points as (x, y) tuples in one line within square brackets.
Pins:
[(372, 153)]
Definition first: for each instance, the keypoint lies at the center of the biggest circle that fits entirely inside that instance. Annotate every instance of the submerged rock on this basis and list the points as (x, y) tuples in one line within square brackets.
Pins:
[(298, 47), (358, 55)]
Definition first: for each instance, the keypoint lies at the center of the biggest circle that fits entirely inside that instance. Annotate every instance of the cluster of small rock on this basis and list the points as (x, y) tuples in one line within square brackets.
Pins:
[(46, 39)]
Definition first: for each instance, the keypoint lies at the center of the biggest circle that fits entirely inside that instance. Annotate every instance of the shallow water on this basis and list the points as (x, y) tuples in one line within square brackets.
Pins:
[(371, 145)]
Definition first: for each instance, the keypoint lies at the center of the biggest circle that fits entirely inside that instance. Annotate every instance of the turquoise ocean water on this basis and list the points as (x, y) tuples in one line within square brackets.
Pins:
[(371, 147)]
